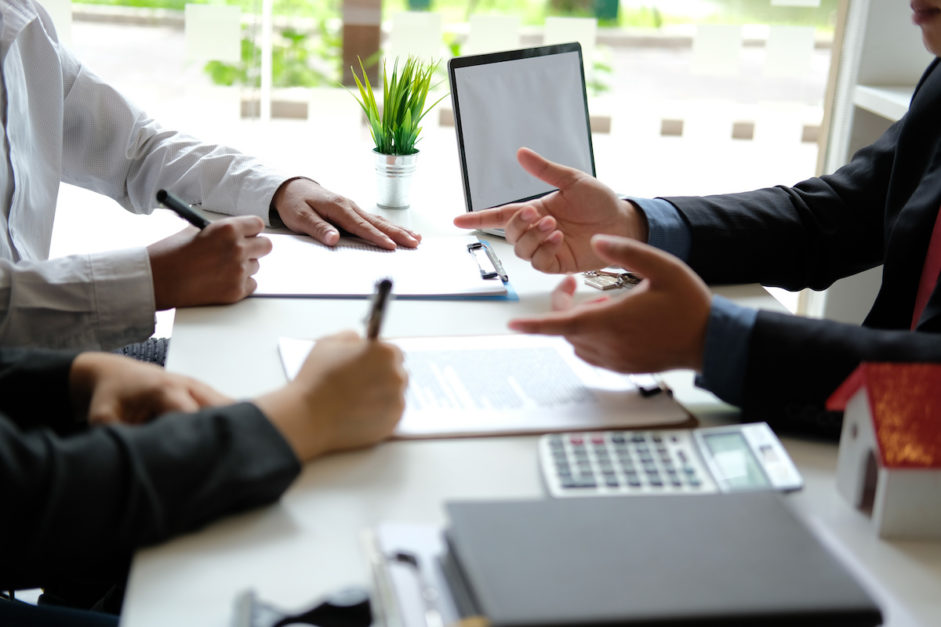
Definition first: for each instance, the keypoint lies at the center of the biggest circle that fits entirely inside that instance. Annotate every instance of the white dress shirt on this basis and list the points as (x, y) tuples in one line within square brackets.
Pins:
[(61, 122)]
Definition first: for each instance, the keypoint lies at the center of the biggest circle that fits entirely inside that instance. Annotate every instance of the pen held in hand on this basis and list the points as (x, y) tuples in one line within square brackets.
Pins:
[(182, 209), (377, 308)]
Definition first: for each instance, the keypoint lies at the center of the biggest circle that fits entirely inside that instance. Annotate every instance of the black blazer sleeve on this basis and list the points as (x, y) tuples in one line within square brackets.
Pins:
[(34, 388), (795, 363), (83, 503)]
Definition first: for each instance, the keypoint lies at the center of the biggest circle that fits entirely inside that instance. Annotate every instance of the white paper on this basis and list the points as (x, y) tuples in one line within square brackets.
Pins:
[(441, 266), (497, 384)]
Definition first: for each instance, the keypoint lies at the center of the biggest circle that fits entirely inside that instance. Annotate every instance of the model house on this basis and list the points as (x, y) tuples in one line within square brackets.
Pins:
[(889, 460)]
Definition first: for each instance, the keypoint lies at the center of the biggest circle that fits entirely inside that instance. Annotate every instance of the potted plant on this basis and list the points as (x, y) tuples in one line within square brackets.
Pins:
[(395, 126)]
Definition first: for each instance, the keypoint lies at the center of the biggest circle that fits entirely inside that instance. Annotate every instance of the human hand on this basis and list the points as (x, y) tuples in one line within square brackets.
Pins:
[(109, 388), (658, 325), (306, 207), (554, 232), (208, 267), (349, 393)]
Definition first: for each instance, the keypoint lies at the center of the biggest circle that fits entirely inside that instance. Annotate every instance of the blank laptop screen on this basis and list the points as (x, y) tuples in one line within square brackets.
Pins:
[(502, 101)]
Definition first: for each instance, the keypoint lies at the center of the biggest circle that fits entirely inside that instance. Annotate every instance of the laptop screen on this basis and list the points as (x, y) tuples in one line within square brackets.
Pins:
[(502, 101)]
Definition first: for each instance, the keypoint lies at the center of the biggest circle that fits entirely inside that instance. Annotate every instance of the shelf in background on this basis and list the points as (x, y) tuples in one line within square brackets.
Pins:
[(889, 102)]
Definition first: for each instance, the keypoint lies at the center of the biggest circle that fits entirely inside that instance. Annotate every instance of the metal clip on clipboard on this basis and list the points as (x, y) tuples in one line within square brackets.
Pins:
[(490, 268)]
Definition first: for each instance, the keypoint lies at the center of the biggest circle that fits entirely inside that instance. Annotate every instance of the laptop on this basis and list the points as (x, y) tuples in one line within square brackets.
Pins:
[(534, 97)]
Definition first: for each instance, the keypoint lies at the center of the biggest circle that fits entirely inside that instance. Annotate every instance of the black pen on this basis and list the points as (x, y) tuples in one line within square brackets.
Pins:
[(377, 308), (182, 209)]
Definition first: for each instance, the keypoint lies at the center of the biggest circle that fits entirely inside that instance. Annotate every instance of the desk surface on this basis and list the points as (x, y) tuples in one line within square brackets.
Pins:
[(310, 542)]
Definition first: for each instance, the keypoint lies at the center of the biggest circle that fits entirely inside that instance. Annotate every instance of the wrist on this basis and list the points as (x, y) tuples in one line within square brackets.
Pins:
[(635, 222), (286, 410), (278, 196)]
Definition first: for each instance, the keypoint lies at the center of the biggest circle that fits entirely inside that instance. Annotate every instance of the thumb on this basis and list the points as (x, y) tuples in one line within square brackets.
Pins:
[(554, 174), (563, 295), (649, 262)]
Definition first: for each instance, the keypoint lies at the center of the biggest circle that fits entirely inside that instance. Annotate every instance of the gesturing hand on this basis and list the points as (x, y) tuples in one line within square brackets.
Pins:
[(306, 207), (208, 267), (109, 388), (554, 232), (657, 325)]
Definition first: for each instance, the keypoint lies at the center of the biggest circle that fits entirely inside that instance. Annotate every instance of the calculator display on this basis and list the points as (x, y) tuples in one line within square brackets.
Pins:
[(735, 461)]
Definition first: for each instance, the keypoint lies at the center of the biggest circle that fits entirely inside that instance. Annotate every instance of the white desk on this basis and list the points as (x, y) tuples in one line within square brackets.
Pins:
[(309, 543)]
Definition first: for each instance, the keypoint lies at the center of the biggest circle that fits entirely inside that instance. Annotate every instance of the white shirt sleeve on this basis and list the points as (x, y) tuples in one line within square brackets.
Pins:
[(103, 300)]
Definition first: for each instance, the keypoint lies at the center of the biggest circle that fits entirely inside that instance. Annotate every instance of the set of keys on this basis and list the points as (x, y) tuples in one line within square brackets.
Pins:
[(609, 280)]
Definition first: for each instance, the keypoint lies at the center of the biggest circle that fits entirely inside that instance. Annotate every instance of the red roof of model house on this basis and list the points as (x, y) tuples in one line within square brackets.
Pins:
[(905, 402)]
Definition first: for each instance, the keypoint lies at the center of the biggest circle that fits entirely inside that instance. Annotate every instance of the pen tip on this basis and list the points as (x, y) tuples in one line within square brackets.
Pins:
[(161, 195)]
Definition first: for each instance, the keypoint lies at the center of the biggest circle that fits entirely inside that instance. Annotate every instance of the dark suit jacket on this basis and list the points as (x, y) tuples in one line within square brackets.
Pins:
[(878, 209), (76, 501)]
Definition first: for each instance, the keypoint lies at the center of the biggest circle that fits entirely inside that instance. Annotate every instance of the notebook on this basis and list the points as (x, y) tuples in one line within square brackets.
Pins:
[(534, 97), (720, 559)]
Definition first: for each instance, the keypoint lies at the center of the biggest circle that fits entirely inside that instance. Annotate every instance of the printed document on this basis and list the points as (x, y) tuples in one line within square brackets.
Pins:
[(441, 266), (500, 384)]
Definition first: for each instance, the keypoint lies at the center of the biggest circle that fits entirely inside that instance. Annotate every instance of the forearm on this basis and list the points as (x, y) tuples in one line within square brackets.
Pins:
[(88, 502), (134, 157), (34, 388), (84, 301)]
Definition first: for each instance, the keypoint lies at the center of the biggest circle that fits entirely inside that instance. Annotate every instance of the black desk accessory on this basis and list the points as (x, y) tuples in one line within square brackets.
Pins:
[(721, 559)]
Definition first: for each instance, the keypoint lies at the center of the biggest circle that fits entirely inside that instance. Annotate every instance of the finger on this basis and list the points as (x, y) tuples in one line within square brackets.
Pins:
[(318, 228), (247, 226), (486, 218), (251, 267), (523, 221), (351, 219), (207, 396), (101, 413), (557, 323), (257, 247), (649, 262), (562, 298), (398, 234), (554, 174)]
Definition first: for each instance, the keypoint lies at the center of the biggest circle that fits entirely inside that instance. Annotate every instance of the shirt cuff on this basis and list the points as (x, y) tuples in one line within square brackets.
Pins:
[(124, 295), (667, 229), (728, 332)]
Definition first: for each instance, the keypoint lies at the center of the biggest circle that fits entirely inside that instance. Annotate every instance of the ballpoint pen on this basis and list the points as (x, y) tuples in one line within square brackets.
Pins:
[(377, 308), (182, 209)]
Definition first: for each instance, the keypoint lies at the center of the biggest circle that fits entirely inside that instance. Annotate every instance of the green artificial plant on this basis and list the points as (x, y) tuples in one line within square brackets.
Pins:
[(395, 126)]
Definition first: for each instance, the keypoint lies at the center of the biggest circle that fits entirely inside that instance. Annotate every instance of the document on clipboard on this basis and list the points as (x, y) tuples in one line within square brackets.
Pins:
[(461, 386), (440, 267)]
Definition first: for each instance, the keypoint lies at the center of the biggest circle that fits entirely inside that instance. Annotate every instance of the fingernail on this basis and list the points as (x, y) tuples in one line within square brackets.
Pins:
[(528, 214)]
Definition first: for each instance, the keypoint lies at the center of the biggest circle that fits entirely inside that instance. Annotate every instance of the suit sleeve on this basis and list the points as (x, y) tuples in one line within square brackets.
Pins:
[(34, 388), (781, 388), (84, 503), (808, 235)]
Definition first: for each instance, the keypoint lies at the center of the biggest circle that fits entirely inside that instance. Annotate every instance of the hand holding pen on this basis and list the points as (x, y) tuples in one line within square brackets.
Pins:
[(209, 266)]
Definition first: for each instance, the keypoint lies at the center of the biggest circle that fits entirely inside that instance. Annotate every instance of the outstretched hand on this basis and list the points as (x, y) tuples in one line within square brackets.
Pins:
[(554, 232), (658, 325), (306, 207), (109, 388)]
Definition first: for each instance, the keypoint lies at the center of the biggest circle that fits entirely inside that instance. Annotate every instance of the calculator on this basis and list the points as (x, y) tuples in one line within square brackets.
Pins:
[(730, 458)]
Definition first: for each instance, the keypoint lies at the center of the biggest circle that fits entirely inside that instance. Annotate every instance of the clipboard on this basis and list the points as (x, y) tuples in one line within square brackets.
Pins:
[(442, 267)]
